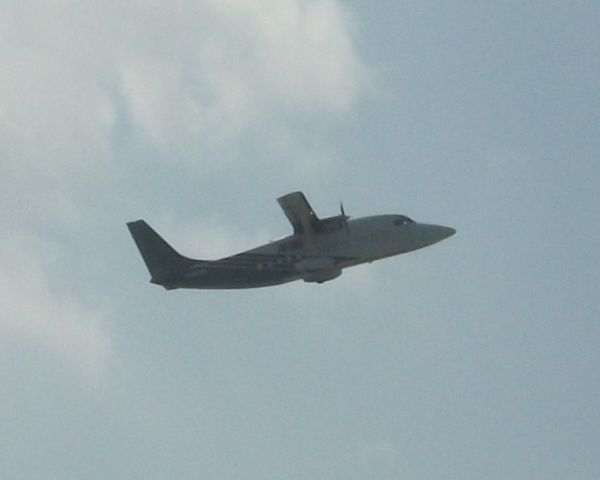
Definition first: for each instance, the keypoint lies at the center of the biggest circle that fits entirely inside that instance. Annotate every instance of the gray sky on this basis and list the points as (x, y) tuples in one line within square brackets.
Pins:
[(474, 359)]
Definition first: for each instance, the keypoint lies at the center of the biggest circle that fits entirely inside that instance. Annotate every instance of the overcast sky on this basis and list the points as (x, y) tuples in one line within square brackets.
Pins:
[(477, 358)]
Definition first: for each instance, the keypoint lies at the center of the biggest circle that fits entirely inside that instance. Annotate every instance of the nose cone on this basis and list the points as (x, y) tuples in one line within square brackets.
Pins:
[(445, 232), (430, 234)]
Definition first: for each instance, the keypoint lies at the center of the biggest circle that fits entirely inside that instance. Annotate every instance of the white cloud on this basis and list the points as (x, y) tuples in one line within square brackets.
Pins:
[(233, 68), (54, 134), (36, 310), (298, 53), (184, 78), (196, 80)]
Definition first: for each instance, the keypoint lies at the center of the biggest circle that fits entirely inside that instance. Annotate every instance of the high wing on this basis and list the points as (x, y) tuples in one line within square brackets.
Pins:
[(299, 213)]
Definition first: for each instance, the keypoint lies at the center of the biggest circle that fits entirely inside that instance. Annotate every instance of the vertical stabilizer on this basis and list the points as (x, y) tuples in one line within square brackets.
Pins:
[(164, 263)]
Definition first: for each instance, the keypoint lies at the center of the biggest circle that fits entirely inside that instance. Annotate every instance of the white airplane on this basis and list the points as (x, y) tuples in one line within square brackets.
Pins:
[(317, 251)]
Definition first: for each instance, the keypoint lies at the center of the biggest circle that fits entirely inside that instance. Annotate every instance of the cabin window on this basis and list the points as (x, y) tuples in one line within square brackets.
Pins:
[(402, 220)]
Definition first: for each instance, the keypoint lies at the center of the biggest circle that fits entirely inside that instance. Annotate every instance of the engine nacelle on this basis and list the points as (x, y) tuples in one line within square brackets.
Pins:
[(320, 276)]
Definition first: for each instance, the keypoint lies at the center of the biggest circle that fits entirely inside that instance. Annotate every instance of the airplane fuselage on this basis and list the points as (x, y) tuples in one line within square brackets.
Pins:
[(314, 258)]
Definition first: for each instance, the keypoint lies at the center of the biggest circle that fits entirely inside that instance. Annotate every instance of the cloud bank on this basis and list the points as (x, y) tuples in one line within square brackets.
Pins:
[(86, 84)]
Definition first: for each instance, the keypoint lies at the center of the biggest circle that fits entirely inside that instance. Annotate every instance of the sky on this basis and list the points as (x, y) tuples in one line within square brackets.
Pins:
[(476, 358)]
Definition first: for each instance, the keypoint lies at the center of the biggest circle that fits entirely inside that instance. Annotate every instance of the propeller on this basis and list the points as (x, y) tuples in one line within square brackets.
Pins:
[(344, 218)]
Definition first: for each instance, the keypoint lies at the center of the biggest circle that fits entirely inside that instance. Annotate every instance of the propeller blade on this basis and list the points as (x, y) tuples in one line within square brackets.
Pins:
[(344, 218)]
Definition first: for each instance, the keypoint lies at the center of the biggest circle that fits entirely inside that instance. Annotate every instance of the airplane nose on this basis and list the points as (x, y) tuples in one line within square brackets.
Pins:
[(435, 233), (446, 232)]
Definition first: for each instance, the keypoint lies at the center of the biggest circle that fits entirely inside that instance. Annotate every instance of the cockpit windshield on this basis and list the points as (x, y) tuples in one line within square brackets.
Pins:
[(402, 220)]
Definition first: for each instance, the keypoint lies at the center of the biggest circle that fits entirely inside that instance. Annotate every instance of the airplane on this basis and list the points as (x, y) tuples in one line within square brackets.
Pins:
[(316, 251)]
